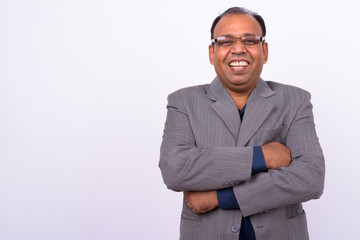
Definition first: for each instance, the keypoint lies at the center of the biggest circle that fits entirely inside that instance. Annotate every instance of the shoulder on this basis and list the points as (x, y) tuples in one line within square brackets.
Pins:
[(189, 93), (288, 92)]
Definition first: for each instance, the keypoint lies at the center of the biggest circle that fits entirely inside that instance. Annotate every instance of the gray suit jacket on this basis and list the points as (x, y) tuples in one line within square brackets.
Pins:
[(205, 147)]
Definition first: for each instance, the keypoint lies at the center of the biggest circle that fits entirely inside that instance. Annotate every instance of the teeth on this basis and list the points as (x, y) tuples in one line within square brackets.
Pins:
[(236, 64)]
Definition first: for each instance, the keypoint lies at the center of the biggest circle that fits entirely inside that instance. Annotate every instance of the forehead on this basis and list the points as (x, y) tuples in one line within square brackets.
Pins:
[(237, 25)]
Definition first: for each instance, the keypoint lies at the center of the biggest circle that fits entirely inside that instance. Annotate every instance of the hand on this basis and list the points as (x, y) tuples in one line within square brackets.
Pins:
[(201, 202), (276, 155)]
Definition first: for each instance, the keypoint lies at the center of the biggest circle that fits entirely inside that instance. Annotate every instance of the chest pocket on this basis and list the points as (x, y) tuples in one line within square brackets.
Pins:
[(274, 135)]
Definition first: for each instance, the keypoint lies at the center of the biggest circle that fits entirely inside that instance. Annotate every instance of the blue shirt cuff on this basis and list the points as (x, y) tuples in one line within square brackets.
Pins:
[(258, 161), (227, 199)]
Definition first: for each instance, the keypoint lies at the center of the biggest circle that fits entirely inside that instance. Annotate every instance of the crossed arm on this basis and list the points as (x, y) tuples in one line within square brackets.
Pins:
[(199, 172), (276, 155)]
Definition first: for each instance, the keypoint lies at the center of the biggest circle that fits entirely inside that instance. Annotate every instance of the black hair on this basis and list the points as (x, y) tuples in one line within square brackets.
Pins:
[(239, 10)]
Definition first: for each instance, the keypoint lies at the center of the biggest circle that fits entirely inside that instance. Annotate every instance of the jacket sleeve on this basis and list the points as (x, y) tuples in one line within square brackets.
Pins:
[(186, 167), (226, 197), (301, 181)]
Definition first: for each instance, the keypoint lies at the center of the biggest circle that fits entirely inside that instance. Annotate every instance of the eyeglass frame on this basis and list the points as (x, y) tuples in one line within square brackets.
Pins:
[(242, 38)]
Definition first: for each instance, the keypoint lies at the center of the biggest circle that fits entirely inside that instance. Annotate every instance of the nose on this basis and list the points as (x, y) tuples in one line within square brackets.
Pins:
[(238, 47)]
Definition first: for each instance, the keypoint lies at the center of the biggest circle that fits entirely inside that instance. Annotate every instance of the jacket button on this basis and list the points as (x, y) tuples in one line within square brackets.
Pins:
[(235, 228)]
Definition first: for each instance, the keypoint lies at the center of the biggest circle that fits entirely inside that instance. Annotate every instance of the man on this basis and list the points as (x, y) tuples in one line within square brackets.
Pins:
[(242, 150)]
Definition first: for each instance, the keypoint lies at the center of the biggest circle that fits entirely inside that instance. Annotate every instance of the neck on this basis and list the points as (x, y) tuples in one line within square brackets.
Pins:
[(240, 99)]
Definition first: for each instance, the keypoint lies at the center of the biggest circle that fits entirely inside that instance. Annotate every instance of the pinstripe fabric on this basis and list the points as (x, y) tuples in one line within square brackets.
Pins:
[(205, 146)]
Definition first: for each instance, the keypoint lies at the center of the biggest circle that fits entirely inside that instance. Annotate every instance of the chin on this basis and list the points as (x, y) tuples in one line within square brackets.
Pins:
[(239, 82)]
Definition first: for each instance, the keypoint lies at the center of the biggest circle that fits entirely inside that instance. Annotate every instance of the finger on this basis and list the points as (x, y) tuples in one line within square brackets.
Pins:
[(196, 211)]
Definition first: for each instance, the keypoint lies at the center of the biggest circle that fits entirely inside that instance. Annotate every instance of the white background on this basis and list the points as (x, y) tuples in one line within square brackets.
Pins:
[(83, 87)]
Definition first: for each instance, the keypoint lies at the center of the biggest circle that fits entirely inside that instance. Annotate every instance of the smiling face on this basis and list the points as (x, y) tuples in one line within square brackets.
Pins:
[(238, 66)]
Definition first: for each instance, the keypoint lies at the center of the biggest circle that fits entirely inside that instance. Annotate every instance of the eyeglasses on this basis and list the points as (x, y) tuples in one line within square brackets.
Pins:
[(228, 40)]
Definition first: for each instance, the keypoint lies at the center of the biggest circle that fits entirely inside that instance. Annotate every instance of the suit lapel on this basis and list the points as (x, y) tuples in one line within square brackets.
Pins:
[(224, 106), (257, 110)]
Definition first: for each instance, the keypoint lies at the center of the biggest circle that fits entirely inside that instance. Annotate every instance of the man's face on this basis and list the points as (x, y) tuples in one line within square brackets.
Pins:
[(238, 66)]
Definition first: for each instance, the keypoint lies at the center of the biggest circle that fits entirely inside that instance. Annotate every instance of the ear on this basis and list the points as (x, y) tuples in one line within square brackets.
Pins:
[(211, 54), (265, 52)]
